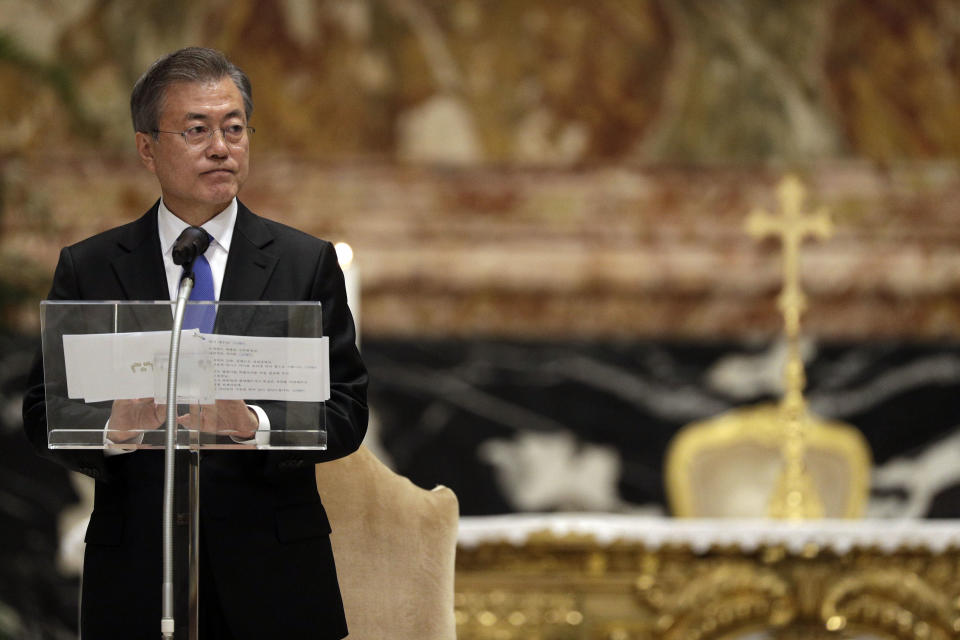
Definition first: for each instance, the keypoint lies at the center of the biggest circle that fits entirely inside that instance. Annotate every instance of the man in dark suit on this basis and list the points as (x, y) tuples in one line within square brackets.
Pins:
[(267, 570)]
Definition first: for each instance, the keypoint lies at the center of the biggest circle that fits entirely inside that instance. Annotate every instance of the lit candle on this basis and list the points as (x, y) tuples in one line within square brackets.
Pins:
[(351, 277)]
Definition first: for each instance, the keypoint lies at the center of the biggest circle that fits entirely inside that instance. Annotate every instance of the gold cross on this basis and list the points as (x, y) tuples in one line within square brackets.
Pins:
[(793, 227), (795, 496)]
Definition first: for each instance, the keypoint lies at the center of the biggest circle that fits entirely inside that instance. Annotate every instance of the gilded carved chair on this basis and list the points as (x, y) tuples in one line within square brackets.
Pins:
[(728, 466)]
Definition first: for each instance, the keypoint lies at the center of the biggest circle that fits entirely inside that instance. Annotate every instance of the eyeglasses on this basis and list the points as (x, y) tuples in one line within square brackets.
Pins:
[(199, 134)]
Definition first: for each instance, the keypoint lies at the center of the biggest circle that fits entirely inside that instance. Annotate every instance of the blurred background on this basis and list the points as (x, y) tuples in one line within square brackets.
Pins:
[(546, 200)]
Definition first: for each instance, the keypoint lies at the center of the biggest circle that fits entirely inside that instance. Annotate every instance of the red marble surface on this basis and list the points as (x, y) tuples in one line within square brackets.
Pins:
[(595, 251)]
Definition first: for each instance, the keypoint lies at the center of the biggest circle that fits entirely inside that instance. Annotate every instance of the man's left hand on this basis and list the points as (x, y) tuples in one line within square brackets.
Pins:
[(224, 417)]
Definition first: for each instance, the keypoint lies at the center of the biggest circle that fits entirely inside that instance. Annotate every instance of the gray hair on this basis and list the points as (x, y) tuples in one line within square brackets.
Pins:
[(192, 64)]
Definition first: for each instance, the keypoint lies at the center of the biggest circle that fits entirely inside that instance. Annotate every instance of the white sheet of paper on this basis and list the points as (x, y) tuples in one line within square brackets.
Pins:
[(290, 369), (112, 366)]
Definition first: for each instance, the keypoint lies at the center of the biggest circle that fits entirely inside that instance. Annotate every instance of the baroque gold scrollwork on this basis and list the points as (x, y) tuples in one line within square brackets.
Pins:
[(716, 600), (518, 615), (897, 601), (571, 587)]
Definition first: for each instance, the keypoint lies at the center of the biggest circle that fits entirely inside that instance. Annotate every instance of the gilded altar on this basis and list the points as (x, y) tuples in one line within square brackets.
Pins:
[(607, 577)]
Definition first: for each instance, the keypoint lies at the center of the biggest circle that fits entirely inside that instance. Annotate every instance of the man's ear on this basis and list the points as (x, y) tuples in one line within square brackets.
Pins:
[(145, 144)]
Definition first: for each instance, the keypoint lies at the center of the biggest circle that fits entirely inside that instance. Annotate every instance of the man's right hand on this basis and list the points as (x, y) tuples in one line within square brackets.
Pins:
[(128, 417)]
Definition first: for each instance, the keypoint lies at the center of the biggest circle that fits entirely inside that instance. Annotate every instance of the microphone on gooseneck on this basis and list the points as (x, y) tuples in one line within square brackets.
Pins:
[(193, 242)]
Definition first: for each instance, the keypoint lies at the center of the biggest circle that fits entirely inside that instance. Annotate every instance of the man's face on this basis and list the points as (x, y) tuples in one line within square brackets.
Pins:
[(197, 182)]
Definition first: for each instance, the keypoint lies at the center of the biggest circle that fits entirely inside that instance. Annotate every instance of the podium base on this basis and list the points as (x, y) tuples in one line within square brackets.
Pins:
[(193, 547)]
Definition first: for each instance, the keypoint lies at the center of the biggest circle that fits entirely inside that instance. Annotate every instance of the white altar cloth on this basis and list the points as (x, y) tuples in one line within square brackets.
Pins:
[(839, 536)]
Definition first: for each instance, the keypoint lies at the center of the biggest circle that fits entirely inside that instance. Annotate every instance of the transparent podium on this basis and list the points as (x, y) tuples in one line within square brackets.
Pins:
[(106, 367)]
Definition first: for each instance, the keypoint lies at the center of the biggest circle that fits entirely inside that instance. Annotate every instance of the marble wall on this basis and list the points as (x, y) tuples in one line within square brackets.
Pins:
[(619, 251)]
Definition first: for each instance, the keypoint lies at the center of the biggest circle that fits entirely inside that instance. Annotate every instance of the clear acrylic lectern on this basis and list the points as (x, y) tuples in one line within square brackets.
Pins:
[(272, 356)]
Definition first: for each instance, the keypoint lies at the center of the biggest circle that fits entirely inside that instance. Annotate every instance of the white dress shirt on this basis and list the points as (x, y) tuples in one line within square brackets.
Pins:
[(220, 227)]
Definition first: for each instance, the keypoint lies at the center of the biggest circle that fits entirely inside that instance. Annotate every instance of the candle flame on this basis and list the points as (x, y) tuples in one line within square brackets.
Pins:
[(344, 254)]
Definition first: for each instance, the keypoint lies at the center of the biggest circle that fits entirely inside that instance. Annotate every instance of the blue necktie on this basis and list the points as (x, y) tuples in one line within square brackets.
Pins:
[(201, 316)]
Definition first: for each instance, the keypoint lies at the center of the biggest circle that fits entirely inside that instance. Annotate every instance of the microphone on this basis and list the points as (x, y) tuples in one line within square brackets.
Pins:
[(192, 242)]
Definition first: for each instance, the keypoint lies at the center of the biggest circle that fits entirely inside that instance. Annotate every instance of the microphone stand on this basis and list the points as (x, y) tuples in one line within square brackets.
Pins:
[(186, 286)]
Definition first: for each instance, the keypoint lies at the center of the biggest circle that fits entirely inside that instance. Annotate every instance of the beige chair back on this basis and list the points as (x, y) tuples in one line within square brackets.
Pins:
[(395, 547)]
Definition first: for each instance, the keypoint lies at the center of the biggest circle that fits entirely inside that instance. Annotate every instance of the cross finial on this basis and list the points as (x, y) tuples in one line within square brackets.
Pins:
[(793, 227)]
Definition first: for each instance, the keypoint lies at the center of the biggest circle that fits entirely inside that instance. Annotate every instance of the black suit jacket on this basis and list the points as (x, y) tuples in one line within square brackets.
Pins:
[(266, 535)]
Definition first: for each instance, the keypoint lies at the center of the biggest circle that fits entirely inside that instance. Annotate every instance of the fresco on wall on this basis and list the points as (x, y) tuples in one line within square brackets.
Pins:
[(541, 82)]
